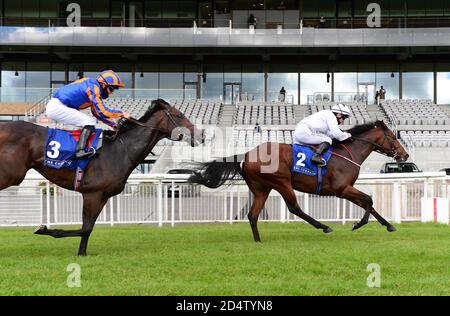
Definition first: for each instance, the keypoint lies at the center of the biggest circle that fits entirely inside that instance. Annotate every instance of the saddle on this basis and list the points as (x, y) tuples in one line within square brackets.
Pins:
[(301, 163), (60, 150)]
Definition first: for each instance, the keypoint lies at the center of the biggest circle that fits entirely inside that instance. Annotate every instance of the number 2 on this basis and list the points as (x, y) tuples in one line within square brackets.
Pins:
[(301, 157)]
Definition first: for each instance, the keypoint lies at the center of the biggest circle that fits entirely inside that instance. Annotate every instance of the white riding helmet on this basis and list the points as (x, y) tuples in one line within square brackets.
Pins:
[(342, 109)]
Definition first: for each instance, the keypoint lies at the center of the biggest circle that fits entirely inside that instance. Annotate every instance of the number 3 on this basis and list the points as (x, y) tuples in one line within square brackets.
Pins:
[(54, 153), (301, 157)]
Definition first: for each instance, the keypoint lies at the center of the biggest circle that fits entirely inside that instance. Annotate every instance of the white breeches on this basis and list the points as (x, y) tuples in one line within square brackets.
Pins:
[(63, 114), (303, 135)]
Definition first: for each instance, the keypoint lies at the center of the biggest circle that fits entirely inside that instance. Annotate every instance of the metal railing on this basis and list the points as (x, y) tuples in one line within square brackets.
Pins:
[(238, 22), (168, 199)]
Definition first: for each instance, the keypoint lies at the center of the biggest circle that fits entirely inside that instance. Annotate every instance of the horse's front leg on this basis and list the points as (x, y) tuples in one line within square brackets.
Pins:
[(365, 201), (92, 207), (289, 197)]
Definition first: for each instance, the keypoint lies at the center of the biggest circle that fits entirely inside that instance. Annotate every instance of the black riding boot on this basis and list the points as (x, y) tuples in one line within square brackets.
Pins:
[(84, 136), (321, 148)]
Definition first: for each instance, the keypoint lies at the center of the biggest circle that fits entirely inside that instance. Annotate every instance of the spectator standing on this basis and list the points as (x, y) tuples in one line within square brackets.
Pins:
[(282, 96), (258, 128), (382, 93), (377, 97), (252, 20)]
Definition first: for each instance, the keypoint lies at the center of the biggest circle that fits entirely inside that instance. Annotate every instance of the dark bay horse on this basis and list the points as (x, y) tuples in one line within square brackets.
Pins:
[(22, 146), (268, 166)]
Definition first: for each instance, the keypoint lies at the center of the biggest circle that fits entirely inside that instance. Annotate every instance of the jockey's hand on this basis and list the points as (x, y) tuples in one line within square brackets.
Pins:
[(126, 115), (349, 135)]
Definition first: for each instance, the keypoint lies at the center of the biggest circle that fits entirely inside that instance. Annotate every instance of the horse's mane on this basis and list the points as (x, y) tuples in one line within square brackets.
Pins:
[(155, 105), (151, 109), (127, 126), (358, 130)]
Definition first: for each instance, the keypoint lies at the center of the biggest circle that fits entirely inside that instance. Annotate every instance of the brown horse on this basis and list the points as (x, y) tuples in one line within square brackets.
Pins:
[(268, 166), (22, 148)]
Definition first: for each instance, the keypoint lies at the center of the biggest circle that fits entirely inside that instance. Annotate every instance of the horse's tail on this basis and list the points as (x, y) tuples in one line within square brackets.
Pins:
[(215, 173)]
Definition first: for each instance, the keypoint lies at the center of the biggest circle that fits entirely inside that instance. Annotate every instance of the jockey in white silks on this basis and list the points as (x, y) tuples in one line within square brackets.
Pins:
[(321, 128)]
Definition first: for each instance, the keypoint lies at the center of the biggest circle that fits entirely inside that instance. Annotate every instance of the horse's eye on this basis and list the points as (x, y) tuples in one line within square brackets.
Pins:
[(180, 115)]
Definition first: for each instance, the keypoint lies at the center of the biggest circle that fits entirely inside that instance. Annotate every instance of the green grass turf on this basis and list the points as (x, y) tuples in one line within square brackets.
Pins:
[(223, 259)]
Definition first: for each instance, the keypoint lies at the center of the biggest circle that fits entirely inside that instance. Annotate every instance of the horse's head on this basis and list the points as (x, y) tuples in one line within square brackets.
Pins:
[(388, 143), (173, 123)]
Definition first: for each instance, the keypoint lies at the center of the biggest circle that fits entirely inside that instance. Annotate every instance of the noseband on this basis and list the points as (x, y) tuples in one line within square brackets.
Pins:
[(170, 117), (392, 152)]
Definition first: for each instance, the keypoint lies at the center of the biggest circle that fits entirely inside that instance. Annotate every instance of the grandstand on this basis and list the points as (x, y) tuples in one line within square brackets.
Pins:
[(226, 76)]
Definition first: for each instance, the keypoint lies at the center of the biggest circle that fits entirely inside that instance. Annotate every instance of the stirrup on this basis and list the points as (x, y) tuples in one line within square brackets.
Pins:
[(321, 163), (85, 154)]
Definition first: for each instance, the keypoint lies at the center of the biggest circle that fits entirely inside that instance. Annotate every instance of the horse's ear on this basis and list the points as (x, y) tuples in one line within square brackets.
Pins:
[(152, 106)]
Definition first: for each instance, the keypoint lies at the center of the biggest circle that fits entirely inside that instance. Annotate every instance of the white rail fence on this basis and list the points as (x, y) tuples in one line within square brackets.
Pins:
[(169, 199)]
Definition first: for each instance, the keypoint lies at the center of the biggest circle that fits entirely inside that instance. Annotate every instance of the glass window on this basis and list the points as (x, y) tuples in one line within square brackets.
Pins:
[(212, 83), (31, 9), (49, 8), (252, 83), (74, 71), (153, 9), (345, 86), (171, 82), (255, 5), (38, 75), (397, 8), (190, 73), (276, 81), (58, 72), (390, 83), (416, 7), (124, 72), (327, 8), (310, 9), (281, 4), (361, 8), (417, 85), (384, 6), (93, 70), (232, 73), (86, 7), (314, 86), (366, 77), (186, 9), (100, 9), (13, 8), (37, 81), (146, 80), (169, 9), (443, 82), (366, 87), (117, 10), (239, 5), (446, 8), (435, 7), (222, 7), (13, 82)]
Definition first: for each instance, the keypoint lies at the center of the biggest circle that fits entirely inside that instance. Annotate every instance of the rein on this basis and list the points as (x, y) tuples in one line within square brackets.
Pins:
[(352, 160), (138, 123), (378, 149)]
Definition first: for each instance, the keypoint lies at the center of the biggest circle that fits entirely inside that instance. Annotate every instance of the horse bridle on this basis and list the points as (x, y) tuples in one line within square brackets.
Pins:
[(379, 148), (170, 117)]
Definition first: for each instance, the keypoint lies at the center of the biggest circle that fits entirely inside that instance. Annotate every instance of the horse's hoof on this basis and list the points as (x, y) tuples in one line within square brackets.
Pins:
[(327, 230), (391, 229), (40, 230), (355, 226)]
